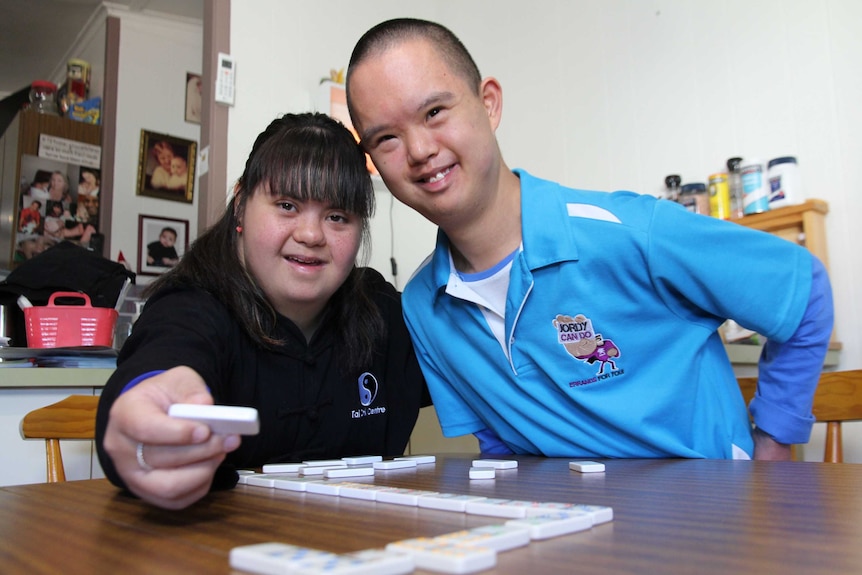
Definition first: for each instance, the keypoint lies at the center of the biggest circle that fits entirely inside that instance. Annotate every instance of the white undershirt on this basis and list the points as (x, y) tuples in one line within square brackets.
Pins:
[(486, 289)]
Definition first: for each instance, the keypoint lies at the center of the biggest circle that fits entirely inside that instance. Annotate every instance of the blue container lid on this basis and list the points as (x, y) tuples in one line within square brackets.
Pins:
[(781, 160), (693, 188)]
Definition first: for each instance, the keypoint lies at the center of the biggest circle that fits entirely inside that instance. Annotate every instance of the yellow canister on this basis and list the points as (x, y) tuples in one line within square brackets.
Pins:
[(719, 196)]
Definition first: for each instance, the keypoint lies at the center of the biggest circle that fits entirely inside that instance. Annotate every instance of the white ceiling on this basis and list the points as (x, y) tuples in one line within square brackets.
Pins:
[(35, 35)]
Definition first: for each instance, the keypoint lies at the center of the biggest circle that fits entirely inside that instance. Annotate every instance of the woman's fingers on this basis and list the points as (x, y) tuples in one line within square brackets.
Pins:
[(175, 488), (164, 460), (160, 456)]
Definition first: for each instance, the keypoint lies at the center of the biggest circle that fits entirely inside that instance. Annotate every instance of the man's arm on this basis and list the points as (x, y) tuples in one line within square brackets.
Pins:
[(491, 444), (788, 373), (767, 449)]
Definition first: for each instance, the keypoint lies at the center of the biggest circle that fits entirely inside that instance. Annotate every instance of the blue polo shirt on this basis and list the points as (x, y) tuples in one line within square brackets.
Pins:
[(611, 346)]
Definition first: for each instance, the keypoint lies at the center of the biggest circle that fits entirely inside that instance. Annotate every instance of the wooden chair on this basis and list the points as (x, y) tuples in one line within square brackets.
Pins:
[(71, 418), (838, 398)]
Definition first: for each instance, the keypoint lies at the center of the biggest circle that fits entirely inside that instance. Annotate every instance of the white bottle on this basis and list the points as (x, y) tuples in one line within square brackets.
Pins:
[(783, 176)]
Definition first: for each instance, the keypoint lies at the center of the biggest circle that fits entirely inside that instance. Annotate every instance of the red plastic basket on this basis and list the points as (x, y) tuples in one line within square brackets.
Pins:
[(69, 325)]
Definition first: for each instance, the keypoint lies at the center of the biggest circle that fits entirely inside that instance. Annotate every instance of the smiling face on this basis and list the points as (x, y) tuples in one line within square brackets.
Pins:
[(88, 178), (165, 157), (58, 186), (89, 203), (429, 133), (298, 252), (164, 153), (178, 166)]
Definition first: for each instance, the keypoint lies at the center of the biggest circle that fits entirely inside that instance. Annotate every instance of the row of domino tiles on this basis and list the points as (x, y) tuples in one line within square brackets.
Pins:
[(465, 551)]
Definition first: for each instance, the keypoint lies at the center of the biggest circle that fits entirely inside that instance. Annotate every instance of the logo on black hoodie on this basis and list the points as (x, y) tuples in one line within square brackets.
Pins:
[(367, 388)]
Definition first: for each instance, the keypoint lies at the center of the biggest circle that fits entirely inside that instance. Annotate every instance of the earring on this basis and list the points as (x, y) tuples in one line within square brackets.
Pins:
[(239, 229)]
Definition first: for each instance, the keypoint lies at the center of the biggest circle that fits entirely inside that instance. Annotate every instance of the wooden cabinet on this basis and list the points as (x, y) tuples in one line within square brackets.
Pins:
[(20, 139)]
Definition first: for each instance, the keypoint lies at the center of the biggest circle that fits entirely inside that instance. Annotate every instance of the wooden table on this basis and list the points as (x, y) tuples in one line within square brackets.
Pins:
[(671, 516)]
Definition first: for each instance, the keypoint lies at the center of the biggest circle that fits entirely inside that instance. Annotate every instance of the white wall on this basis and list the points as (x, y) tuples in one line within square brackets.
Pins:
[(609, 94), (282, 50), (155, 54)]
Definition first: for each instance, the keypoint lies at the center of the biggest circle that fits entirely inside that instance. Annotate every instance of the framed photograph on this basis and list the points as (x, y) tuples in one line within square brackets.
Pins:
[(193, 98), (166, 167), (161, 243)]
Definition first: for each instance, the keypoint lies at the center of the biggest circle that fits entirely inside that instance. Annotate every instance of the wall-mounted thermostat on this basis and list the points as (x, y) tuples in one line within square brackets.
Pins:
[(225, 86)]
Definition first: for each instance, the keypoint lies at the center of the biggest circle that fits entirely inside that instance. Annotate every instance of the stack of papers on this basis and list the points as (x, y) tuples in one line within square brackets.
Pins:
[(83, 356)]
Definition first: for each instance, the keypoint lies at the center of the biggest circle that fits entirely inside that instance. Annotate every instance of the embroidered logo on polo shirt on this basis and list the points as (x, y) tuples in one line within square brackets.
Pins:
[(577, 336)]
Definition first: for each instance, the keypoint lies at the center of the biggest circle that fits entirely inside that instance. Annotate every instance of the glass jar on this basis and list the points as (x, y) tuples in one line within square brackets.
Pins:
[(695, 198), (43, 97)]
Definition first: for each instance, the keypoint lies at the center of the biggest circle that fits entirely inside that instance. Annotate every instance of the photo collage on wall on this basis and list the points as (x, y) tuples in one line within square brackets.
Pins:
[(57, 201)]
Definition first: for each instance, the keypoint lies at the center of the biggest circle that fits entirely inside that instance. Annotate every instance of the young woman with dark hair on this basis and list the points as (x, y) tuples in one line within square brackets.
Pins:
[(267, 309)]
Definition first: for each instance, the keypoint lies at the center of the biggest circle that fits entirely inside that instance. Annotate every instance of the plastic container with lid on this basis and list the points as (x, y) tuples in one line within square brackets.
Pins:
[(695, 198), (755, 187), (734, 182), (783, 176), (43, 97), (719, 196)]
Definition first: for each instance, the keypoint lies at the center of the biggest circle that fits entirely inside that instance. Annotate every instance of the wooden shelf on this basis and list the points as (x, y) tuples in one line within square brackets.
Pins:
[(745, 354), (803, 224)]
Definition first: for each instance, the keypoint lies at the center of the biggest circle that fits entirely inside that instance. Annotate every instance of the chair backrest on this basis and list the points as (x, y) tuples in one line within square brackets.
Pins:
[(71, 418), (838, 398)]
